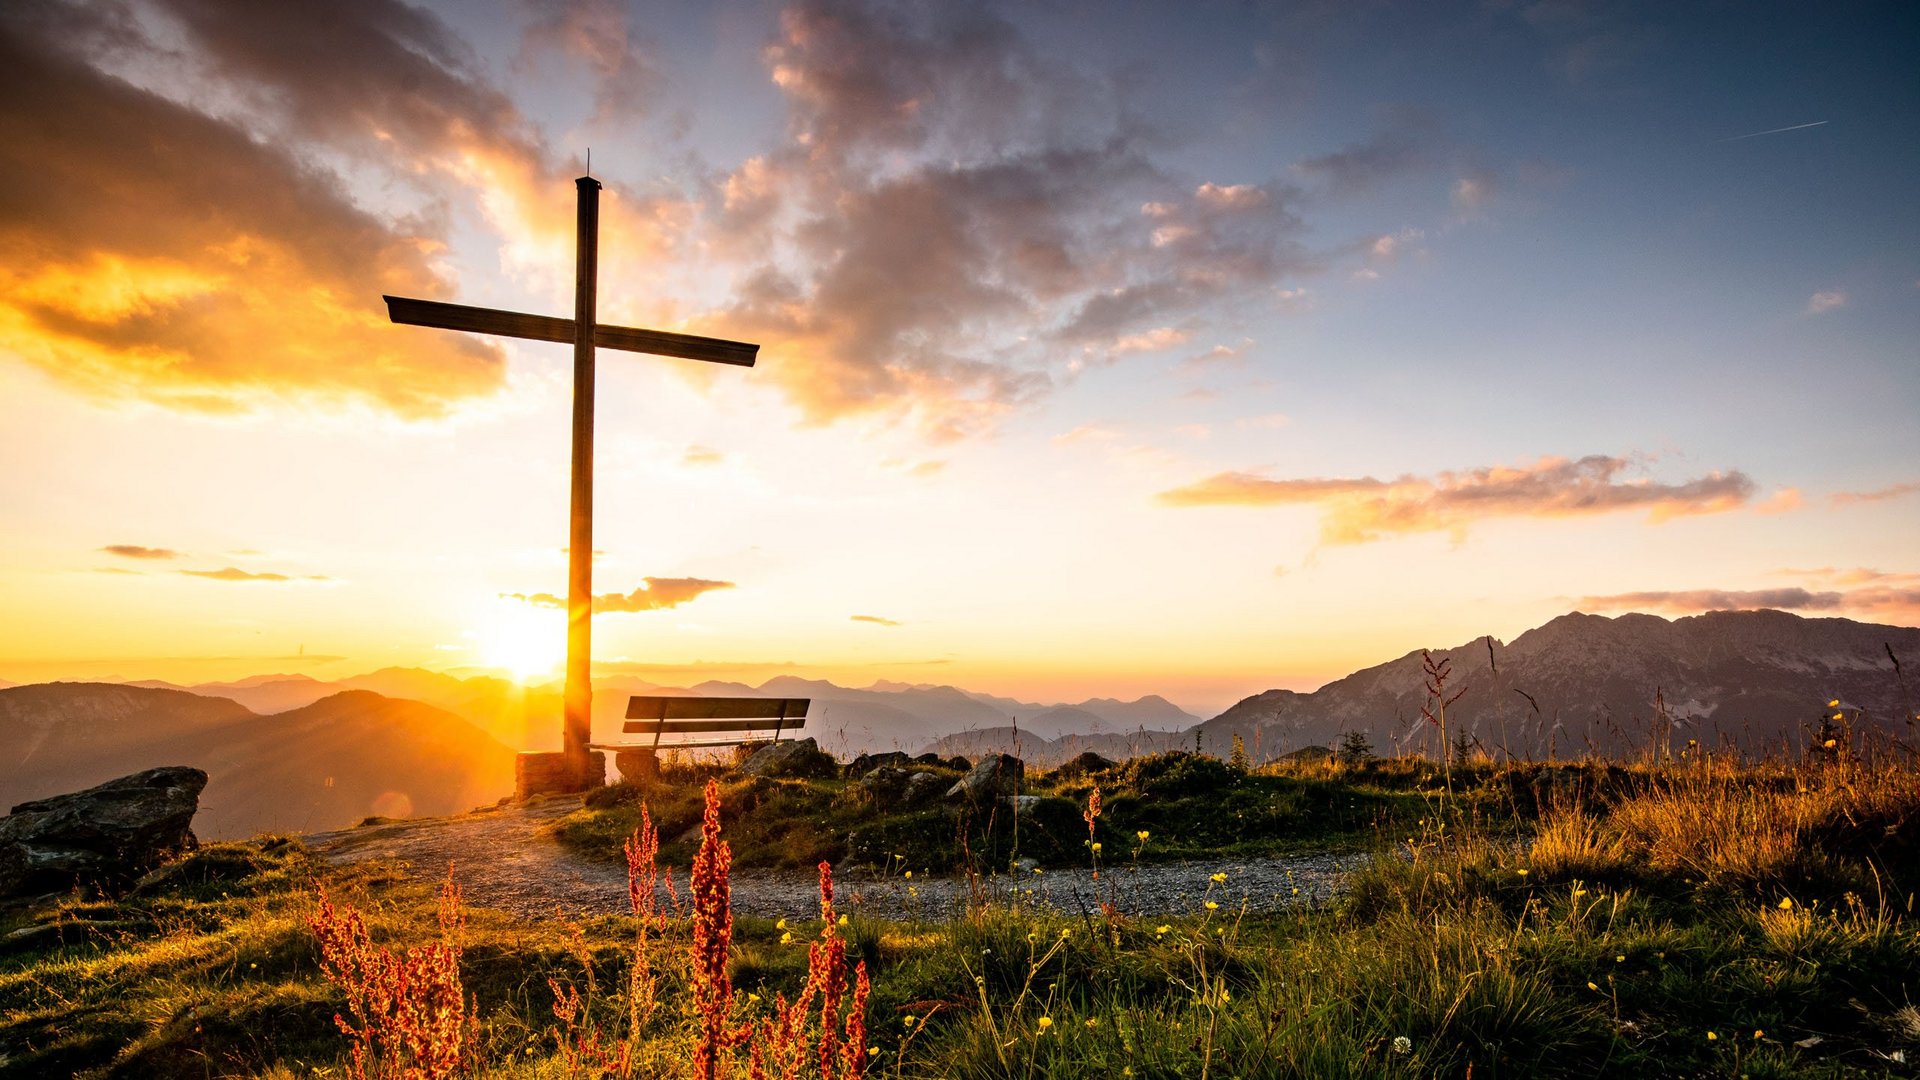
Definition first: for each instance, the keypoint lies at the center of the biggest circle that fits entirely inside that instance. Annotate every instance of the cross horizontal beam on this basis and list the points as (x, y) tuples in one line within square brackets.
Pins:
[(516, 324)]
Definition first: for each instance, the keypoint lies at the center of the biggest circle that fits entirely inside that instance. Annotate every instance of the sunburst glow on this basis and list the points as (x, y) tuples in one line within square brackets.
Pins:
[(526, 643)]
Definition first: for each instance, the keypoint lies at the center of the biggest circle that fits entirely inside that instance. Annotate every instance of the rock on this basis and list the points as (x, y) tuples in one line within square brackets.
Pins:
[(1022, 803), (922, 788), (994, 776), (866, 763), (931, 759), (1084, 764), (637, 766), (106, 836), (885, 786), (958, 763), (792, 759), (893, 788)]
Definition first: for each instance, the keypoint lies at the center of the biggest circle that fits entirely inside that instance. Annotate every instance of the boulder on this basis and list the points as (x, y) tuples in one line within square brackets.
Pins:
[(885, 786), (1084, 764), (637, 766), (922, 788), (106, 836), (892, 788), (793, 759), (994, 776), (866, 763)]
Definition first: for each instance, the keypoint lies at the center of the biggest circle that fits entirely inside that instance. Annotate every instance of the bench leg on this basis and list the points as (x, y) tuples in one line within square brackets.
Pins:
[(641, 767)]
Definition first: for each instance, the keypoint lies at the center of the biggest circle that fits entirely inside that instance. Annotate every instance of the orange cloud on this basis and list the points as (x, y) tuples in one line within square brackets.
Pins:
[(654, 595), (874, 619), (1897, 602), (135, 551), (1365, 509), (234, 573), (183, 260), (1895, 491)]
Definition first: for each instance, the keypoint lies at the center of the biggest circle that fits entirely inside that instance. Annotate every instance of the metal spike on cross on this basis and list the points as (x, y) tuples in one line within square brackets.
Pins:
[(584, 334)]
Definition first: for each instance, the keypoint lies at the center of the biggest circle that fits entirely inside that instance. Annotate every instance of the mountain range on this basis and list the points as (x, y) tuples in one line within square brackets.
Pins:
[(324, 765), (288, 752), (1580, 684)]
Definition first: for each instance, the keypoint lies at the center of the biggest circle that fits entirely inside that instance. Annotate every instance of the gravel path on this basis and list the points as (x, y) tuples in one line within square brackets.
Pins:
[(503, 858)]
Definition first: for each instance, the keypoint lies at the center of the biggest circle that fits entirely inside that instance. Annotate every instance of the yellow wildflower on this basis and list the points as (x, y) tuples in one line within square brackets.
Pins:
[(1786, 904), (781, 925), (1142, 834), (1213, 905), (786, 938), (1712, 1036), (1046, 1022), (1834, 704), (1096, 847), (1162, 928), (1220, 877)]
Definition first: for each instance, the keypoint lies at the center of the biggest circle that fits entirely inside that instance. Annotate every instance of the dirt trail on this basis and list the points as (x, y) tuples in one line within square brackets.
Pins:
[(504, 858)]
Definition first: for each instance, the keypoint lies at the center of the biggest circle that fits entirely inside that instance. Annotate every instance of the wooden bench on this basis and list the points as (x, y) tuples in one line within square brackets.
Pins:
[(732, 720)]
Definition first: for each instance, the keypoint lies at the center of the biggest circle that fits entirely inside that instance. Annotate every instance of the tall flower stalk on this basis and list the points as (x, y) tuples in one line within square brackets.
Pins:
[(712, 988)]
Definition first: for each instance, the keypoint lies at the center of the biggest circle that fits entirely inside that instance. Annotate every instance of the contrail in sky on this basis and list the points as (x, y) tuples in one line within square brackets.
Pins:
[(1775, 131)]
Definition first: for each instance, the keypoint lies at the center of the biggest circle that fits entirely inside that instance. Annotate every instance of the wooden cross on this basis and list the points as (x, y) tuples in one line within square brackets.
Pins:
[(584, 334)]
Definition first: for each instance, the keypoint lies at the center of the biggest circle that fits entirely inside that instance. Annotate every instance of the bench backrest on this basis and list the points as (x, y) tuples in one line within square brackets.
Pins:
[(659, 716)]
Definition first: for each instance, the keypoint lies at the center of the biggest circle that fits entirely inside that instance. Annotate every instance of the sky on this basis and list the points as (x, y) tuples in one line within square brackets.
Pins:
[(1106, 349)]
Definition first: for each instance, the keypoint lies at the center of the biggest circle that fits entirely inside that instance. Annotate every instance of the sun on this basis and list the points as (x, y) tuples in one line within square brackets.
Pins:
[(527, 643)]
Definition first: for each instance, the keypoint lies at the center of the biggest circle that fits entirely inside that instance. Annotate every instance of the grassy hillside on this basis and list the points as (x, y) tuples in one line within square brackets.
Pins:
[(1692, 922)]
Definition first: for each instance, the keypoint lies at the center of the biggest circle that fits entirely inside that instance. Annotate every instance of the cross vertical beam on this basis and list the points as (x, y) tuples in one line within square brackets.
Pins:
[(574, 767), (577, 729)]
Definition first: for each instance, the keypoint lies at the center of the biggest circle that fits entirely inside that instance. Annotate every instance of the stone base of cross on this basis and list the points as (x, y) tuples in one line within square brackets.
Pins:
[(574, 767), (556, 772)]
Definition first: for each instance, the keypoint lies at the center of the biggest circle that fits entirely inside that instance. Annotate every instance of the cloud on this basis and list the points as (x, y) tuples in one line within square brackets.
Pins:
[(234, 573), (1364, 509), (185, 260), (654, 595), (1218, 355), (135, 551), (702, 455), (1086, 433), (1404, 144), (594, 33), (1826, 300), (874, 619), (1783, 501), (956, 216), (1160, 337), (1894, 491), (1865, 600)]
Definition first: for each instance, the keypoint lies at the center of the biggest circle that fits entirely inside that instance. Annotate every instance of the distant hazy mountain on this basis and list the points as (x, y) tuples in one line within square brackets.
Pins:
[(261, 693), (900, 716), (322, 766), (60, 737), (1042, 752), (1752, 679)]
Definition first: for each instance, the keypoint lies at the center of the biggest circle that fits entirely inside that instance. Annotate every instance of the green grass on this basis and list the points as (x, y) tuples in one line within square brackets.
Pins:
[(1640, 911)]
